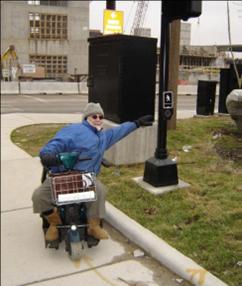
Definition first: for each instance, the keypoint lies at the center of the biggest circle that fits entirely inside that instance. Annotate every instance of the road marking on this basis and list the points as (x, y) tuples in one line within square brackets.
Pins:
[(35, 98), (10, 109)]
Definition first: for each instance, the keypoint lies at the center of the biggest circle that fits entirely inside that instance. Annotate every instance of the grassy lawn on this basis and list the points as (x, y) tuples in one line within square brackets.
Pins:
[(203, 221)]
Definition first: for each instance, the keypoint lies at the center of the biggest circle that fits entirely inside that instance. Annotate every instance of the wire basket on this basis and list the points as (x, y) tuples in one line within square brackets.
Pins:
[(73, 187)]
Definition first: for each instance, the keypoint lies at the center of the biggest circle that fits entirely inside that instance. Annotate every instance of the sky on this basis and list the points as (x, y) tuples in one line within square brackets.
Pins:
[(211, 28)]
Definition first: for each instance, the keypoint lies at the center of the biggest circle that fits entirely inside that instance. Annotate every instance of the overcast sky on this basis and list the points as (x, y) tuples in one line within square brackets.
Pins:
[(210, 28)]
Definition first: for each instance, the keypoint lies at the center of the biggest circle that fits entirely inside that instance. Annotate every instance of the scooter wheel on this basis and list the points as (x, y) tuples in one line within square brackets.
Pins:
[(75, 250)]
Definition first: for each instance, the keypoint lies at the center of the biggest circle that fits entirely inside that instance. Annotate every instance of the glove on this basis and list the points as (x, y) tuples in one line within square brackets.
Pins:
[(50, 160), (146, 120)]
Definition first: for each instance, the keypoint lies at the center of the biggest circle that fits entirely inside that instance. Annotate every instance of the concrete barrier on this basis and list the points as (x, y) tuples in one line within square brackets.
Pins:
[(83, 89), (9, 87), (44, 87), (137, 147), (187, 90), (191, 89)]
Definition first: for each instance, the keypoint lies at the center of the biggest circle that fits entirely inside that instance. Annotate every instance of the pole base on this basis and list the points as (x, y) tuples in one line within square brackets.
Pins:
[(160, 172)]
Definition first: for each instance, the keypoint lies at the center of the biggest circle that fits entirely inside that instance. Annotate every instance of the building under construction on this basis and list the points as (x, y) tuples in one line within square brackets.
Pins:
[(50, 34), (49, 40), (204, 62)]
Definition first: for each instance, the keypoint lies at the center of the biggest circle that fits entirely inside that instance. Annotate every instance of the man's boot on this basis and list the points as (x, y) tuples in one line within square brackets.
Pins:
[(52, 232), (95, 229)]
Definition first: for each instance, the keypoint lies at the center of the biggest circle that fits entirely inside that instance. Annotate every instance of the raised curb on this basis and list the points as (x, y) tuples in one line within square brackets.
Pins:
[(160, 250)]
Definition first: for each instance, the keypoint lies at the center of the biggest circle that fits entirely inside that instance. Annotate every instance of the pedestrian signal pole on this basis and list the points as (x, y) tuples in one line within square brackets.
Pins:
[(160, 170), (110, 5)]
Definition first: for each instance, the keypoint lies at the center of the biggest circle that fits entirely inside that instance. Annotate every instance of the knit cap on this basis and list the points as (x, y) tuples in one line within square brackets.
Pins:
[(92, 108)]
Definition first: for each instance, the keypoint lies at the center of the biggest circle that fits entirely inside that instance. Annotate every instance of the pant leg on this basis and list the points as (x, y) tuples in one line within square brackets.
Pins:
[(41, 198), (97, 208)]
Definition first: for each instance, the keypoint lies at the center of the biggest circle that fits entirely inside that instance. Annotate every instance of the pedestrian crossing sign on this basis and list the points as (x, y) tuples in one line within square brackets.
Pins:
[(167, 99)]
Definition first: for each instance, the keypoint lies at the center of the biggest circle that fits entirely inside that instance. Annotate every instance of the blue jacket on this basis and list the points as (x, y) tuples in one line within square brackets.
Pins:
[(88, 142)]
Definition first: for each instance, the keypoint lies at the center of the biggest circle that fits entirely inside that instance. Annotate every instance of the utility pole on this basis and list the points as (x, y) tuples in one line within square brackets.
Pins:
[(174, 60)]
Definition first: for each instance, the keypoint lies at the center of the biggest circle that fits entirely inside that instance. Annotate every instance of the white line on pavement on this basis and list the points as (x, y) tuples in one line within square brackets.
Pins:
[(35, 98)]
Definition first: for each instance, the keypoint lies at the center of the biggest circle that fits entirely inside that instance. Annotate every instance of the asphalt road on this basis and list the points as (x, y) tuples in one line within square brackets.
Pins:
[(64, 103), (43, 103)]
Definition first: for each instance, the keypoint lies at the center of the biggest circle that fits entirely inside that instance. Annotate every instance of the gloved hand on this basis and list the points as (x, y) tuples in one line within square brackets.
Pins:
[(146, 120), (50, 160)]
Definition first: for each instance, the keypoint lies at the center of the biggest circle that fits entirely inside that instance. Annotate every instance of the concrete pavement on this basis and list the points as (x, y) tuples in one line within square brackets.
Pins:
[(25, 261)]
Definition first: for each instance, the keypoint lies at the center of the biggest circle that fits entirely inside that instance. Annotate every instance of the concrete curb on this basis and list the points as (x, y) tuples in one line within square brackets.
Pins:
[(160, 250)]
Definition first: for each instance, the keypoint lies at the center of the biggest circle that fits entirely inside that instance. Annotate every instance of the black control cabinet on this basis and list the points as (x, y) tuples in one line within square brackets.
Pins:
[(228, 82), (206, 94), (122, 75)]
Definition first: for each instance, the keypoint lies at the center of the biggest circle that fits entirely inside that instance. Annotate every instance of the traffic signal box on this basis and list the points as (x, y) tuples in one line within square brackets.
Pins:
[(228, 82), (122, 75), (181, 9)]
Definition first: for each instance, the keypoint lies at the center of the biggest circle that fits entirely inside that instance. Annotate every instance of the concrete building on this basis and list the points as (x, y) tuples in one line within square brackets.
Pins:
[(198, 56), (185, 34), (52, 34), (143, 32), (95, 33)]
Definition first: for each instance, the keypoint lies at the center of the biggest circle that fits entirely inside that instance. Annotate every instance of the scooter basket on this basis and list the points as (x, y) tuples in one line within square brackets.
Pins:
[(73, 187)]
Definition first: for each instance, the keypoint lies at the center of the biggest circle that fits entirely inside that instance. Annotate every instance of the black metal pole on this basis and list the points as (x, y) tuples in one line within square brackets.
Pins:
[(160, 170), (161, 151), (110, 5)]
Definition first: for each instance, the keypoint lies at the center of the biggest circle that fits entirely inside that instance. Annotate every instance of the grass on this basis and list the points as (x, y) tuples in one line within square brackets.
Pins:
[(32, 137), (203, 221)]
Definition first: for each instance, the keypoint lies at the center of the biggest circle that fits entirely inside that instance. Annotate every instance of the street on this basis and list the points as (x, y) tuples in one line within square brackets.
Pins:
[(43, 103), (65, 103)]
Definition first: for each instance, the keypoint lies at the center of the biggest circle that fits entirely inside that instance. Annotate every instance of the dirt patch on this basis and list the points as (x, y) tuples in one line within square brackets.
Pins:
[(229, 145), (234, 154)]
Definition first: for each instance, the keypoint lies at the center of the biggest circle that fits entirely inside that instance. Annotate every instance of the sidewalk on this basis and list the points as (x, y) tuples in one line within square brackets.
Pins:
[(16, 167)]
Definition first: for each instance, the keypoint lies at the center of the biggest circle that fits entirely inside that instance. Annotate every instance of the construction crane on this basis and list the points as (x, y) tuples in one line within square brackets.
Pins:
[(139, 17)]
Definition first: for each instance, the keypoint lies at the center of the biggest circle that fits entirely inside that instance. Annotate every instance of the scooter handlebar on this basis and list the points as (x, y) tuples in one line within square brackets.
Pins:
[(69, 159)]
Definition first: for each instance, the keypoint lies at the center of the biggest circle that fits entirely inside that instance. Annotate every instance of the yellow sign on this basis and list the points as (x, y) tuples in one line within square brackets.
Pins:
[(112, 22)]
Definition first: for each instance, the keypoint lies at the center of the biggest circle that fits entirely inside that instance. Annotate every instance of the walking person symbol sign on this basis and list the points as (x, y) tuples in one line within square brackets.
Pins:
[(167, 99), (167, 105)]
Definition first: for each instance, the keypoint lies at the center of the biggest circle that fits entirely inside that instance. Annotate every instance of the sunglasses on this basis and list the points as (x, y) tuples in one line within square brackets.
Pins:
[(97, 116)]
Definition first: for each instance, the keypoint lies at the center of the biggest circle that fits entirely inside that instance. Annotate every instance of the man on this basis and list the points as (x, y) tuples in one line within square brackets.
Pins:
[(90, 140)]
